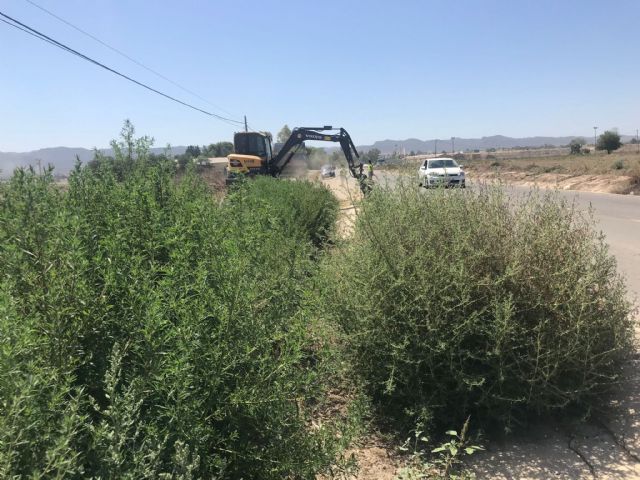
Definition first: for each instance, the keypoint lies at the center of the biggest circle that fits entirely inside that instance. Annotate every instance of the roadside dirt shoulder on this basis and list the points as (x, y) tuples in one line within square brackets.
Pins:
[(603, 448), (348, 194), (586, 183)]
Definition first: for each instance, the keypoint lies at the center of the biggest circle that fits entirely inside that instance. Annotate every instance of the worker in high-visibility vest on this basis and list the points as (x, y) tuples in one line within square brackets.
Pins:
[(370, 171)]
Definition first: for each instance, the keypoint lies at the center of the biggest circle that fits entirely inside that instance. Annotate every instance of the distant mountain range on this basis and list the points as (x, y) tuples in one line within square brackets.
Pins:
[(495, 141), (63, 158)]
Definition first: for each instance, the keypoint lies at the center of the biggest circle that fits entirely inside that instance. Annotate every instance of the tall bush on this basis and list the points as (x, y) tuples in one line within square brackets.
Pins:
[(303, 208), (457, 303), (148, 331)]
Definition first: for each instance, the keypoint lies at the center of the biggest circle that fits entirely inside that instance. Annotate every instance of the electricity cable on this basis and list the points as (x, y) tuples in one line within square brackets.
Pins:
[(31, 31), (25, 30), (121, 53)]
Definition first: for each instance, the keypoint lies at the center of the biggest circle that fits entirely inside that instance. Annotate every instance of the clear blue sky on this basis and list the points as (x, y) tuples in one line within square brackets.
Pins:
[(382, 69)]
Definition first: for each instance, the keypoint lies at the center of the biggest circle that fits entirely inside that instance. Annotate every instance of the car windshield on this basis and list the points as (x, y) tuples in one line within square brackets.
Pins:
[(442, 163)]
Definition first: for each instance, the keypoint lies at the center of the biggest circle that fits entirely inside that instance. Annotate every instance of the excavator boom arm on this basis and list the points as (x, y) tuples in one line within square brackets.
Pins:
[(301, 134)]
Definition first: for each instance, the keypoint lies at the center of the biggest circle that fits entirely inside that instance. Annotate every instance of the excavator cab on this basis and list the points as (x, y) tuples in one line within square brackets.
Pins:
[(252, 154)]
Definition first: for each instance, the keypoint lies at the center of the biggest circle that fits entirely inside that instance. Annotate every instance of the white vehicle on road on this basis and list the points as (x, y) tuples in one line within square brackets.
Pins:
[(328, 171), (445, 172)]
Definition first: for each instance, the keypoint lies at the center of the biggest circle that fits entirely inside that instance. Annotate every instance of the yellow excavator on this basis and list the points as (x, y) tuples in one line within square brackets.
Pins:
[(253, 154)]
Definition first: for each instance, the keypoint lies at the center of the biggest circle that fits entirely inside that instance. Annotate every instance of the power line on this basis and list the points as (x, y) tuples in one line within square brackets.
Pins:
[(121, 53), (24, 30), (41, 36)]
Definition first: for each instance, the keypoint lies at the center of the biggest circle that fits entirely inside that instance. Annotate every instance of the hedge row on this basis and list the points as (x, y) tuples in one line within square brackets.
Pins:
[(148, 331)]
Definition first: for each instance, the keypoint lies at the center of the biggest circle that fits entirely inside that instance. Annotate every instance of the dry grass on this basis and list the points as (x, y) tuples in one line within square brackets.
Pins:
[(596, 171), (624, 162)]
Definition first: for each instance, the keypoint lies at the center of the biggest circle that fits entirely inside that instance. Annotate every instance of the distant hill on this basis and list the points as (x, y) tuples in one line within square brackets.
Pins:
[(62, 158), (495, 141)]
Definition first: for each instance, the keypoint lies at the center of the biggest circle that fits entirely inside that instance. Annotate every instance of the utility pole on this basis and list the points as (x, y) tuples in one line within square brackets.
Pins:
[(246, 128), (435, 147), (637, 144), (595, 140), (453, 150)]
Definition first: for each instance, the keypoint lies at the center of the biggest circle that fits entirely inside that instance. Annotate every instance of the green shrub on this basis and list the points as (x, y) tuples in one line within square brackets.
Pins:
[(302, 207), (533, 167), (618, 164), (147, 331), (40, 415), (461, 303), (553, 169)]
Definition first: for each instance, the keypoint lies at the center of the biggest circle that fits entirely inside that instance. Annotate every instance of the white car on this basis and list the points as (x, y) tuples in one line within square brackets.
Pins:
[(445, 172), (328, 171)]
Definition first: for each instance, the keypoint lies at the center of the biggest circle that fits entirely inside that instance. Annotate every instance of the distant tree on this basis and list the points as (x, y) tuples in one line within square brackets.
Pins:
[(412, 153), (208, 150), (98, 160), (224, 148), (633, 141), (336, 157), (284, 134), (219, 149), (609, 141), (372, 156), (183, 160), (576, 145), (158, 158), (193, 151)]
